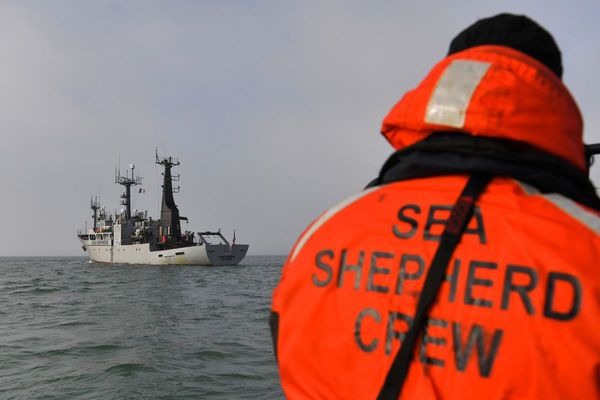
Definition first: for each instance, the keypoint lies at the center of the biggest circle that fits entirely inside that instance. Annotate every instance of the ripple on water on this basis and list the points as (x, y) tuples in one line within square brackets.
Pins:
[(208, 355), (44, 290), (127, 369), (76, 323)]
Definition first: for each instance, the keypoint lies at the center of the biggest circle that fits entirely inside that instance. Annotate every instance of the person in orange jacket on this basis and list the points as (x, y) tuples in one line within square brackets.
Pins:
[(470, 268)]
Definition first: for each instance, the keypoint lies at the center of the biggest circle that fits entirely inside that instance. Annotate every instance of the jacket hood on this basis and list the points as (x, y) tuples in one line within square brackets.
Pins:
[(495, 92)]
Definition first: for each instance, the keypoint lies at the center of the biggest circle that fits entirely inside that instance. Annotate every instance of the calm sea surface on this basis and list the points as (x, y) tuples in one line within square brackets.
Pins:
[(75, 330)]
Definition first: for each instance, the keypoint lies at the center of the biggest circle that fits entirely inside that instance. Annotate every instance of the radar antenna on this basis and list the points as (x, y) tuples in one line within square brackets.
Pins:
[(95, 206), (127, 181)]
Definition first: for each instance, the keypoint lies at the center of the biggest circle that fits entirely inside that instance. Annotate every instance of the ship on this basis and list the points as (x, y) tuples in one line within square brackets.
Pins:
[(126, 238)]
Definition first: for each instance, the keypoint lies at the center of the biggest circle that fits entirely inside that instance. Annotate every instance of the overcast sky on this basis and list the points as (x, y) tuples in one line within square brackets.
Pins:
[(273, 107)]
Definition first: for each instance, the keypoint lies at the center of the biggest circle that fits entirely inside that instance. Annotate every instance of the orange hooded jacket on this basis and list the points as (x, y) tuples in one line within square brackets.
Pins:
[(517, 316)]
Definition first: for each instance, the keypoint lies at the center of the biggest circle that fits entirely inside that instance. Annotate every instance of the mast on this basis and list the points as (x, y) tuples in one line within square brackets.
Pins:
[(127, 182), (169, 213), (95, 205)]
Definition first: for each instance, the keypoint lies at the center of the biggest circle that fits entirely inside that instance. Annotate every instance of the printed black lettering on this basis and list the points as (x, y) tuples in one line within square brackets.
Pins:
[(347, 267), (402, 216), (324, 267), (478, 230), (472, 281), (573, 282), (453, 279), (522, 290), (391, 333), (375, 269), (437, 341), (403, 275), (357, 329), (476, 338), (432, 221)]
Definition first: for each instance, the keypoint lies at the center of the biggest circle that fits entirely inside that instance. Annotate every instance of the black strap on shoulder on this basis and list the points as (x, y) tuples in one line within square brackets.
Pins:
[(459, 218)]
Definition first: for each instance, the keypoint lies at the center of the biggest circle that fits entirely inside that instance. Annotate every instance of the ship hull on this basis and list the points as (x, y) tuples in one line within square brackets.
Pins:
[(140, 254)]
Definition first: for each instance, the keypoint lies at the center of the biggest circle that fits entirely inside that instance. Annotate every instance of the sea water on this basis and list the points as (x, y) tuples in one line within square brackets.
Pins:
[(77, 330)]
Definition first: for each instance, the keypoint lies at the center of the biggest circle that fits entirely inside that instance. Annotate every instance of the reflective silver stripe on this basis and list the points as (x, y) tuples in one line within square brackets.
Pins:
[(591, 220), (451, 97), (575, 210), (326, 216), (528, 189)]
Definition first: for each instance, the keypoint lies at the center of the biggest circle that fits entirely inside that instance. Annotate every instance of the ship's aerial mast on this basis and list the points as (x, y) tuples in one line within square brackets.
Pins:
[(169, 213), (127, 182), (95, 205)]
